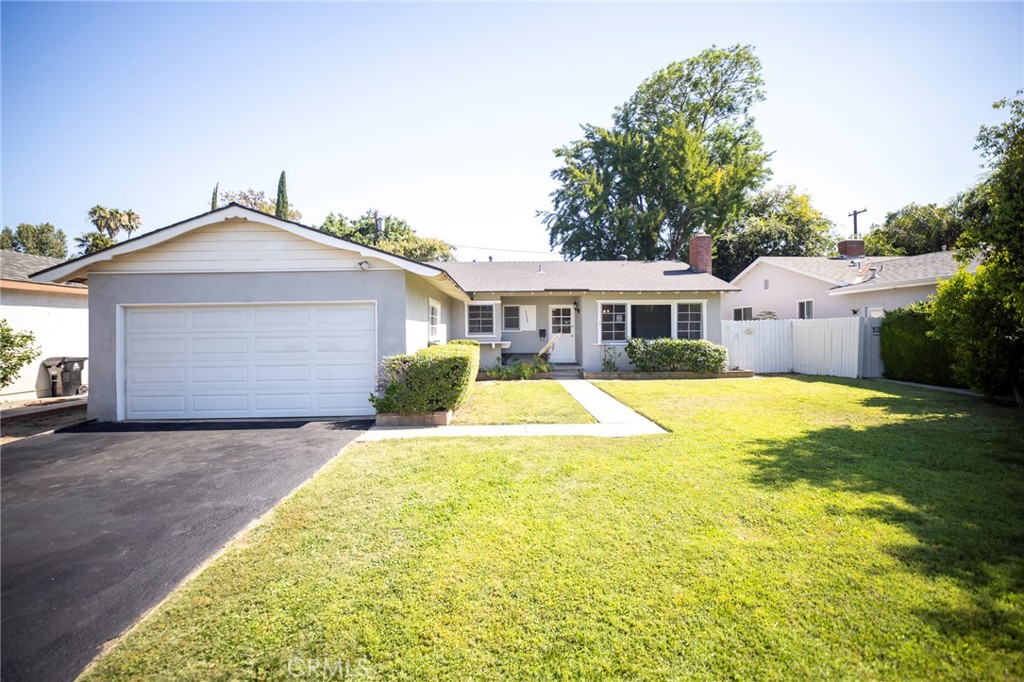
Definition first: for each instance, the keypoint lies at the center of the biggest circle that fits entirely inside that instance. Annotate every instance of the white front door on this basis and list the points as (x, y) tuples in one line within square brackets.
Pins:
[(232, 361), (560, 322)]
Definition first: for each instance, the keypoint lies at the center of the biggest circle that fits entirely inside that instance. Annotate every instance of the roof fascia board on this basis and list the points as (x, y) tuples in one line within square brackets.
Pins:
[(861, 288)]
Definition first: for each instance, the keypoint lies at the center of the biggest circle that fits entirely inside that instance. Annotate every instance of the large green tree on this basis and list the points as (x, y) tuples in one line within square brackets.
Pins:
[(777, 222), (915, 229), (40, 240), (682, 155), (91, 242), (396, 237), (258, 201), (982, 314)]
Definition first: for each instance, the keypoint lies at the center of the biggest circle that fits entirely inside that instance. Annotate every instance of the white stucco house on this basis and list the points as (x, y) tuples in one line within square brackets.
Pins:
[(57, 314), (796, 287), (238, 314)]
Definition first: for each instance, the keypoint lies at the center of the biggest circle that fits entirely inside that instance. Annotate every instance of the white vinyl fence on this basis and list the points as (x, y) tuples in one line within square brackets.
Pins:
[(839, 347)]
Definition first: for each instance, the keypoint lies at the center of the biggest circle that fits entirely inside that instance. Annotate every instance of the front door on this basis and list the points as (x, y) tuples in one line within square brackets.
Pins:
[(561, 323)]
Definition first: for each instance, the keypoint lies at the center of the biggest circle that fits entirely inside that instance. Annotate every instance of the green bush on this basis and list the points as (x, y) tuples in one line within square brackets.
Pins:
[(674, 355), (17, 349), (910, 350), (518, 369), (435, 378)]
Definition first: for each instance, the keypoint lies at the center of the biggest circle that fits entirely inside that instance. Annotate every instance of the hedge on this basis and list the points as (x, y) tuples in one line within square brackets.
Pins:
[(671, 355), (910, 352), (435, 378)]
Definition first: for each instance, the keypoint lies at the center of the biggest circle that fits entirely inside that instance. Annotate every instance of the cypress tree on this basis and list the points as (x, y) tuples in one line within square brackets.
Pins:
[(282, 198), (213, 199)]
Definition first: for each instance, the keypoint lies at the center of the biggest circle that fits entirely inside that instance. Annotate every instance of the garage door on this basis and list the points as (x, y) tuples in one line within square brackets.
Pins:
[(240, 361)]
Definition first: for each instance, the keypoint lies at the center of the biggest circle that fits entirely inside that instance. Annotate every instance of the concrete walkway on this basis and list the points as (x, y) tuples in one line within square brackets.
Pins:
[(615, 420)]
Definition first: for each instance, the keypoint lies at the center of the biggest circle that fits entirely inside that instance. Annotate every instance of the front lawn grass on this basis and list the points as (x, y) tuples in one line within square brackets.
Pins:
[(520, 402), (786, 529)]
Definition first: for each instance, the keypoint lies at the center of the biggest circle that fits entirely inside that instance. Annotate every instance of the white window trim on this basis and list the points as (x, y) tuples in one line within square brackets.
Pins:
[(434, 335), (503, 309), (805, 301), (494, 312), (741, 308), (657, 301)]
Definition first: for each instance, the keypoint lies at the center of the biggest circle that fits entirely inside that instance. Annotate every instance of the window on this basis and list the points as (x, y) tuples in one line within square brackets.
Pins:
[(434, 320), (688, 321), (651, 321), (511, 323), (561, 321), (739, 314), (613, 322), (805, 310), (480, 319)]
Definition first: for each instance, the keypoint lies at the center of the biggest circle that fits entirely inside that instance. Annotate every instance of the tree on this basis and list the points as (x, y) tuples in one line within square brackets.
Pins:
[(91, 242), (982, 314), (213, 199), (17, 349), (397, 237), (777, 222), (113, 221), (681, 156), (281, 207), (258, 201), (915, 229), (40, 240)]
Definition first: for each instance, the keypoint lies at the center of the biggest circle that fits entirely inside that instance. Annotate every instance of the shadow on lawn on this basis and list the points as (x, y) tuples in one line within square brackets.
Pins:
[(958, 466)]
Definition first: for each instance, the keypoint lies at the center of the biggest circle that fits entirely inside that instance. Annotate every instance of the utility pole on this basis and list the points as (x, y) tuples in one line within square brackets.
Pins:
[(855, 214)]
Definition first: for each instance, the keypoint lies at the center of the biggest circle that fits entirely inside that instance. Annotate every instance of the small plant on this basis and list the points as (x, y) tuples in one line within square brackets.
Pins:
[(516, 369), (17, 349), (610, 358)]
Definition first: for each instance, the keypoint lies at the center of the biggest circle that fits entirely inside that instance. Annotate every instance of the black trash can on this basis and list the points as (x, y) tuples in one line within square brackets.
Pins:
[(65, 375)]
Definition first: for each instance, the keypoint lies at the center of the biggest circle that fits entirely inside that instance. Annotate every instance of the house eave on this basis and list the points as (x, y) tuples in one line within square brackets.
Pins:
[(863, 288)]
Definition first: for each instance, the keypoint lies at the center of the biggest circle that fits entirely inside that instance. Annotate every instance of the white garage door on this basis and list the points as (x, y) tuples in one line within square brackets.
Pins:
[(204, 362)]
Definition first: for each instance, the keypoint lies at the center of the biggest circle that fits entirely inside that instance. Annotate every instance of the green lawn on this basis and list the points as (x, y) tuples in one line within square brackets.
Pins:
[(520, 402), (786, 529)]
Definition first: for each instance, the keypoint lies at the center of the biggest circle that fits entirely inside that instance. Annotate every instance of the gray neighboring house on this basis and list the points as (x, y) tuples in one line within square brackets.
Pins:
[(852, 284), (238, 314)]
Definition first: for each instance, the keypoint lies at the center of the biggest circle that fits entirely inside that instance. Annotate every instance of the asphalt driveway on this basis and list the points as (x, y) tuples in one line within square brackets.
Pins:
[(99, 522)]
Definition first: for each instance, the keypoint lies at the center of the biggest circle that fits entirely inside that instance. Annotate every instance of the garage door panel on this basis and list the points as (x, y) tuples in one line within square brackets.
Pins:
[(249, 361)]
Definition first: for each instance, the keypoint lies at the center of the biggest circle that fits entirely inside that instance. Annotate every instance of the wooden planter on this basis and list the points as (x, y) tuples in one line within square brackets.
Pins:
[(729, 374), (438, 418)]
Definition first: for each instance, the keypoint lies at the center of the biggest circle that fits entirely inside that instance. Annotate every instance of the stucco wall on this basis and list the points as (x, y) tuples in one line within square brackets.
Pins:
[(418, 293), (60, 323), (888, 299), (785, 289), (107, 291)]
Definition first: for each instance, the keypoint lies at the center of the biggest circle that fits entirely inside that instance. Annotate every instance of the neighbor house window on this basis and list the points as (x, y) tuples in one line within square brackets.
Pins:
[(434, 320), (480, 319), (511, 318), (688, 321), (805, 310), (613, 322), (739, 314)]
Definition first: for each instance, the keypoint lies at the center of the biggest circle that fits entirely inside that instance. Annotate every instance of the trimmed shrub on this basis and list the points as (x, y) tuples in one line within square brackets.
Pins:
[(675, 355), (435, 378), (910, 349)]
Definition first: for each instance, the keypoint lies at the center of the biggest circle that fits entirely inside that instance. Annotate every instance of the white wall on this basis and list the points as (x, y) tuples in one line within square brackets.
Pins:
[(785, 288), (889, 299), (60, 323)]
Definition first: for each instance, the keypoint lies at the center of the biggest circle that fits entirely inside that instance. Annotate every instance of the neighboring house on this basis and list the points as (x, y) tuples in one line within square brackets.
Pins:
[(57, 314), (235, 313), (853, 284)]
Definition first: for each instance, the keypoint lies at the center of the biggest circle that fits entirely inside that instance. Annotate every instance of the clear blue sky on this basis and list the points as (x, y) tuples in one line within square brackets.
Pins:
[(446, 114)]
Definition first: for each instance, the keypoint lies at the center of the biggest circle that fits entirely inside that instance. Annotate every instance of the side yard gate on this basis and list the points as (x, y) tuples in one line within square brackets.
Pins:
[(840, 347)]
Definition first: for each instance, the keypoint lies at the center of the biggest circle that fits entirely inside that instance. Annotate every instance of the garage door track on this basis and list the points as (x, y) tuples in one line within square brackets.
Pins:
[(100, 522)]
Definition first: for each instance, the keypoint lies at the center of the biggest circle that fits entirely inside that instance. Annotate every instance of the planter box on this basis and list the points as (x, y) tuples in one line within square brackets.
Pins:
[(730, 374), (439, 418)]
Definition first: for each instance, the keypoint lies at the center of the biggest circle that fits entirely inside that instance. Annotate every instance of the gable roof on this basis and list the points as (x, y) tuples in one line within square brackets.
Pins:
[(835, 271), (79, 267), (547, 276), (908, 271), (18, 267)]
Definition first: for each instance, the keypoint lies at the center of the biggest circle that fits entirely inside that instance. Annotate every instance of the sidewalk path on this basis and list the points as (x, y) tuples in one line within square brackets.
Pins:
[(615, 420)]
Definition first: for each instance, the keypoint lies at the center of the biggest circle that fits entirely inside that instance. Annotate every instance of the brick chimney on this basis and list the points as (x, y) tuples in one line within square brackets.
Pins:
[(700, 252), (851, 248)]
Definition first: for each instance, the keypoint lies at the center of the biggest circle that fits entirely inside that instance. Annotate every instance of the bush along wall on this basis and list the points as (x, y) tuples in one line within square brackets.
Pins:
[(435, 378), (676, 355), (911, 352)]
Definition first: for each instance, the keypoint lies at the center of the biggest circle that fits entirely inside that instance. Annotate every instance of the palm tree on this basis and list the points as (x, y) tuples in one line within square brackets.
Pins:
[(105, 220), (91, 242), (129, 221)]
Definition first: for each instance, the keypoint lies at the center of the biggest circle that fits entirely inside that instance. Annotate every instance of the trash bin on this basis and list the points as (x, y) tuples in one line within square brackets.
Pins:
[(65, 375)]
